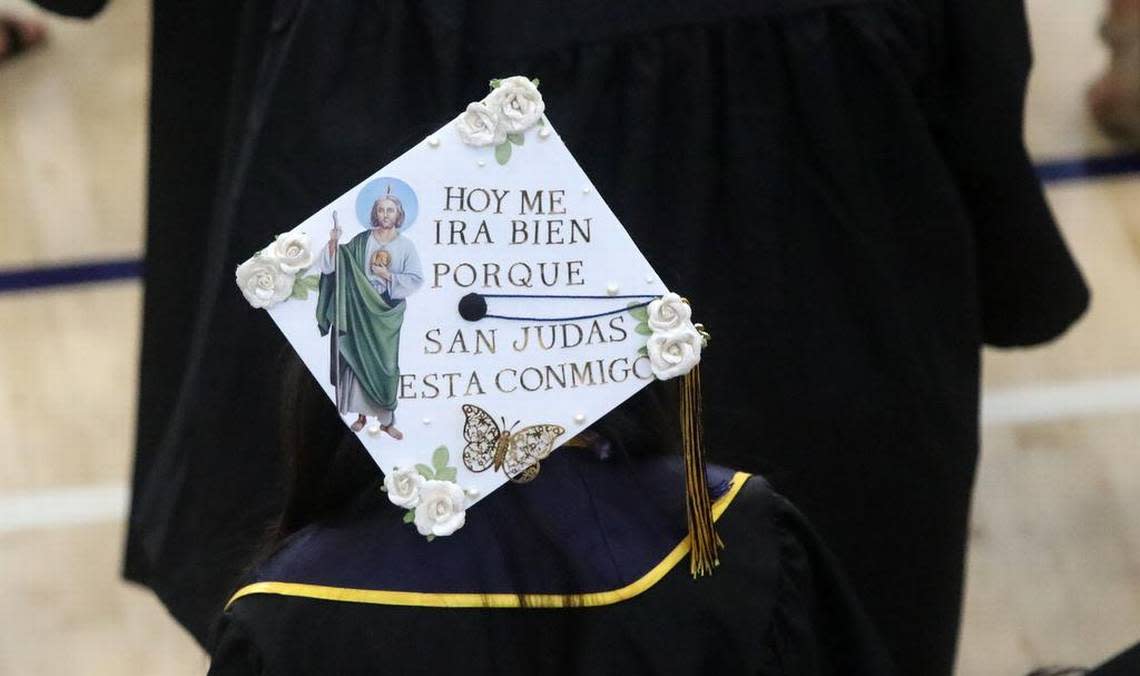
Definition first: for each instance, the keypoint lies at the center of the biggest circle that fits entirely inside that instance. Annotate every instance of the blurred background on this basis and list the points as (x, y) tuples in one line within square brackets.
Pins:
[(1054, 564)]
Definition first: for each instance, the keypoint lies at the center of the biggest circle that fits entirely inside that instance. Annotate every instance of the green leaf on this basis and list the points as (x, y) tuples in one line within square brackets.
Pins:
[(425, 471), (503, 152), (643, 351), (299, 291), (439, 458), (430, 537), (495, 83), (639, 312), (643, 329), (536, 81), (446, 474), (516, 139), (542, 121), (410, 516), (312, 282)]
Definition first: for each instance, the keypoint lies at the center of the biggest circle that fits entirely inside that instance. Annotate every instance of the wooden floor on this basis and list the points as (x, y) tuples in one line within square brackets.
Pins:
[(1054, 566)]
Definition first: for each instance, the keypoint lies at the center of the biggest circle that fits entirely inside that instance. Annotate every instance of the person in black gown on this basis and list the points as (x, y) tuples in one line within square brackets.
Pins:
[(862, 157), (582, 571)]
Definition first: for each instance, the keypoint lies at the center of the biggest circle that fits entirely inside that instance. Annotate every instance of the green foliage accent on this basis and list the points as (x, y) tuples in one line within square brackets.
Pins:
[(439, 459), (439, 472), (503, 152), (495, 83), (536, 81), (640, 312), (542, 120), (643, 351), (303, 285), (299, 291), (516, 139)]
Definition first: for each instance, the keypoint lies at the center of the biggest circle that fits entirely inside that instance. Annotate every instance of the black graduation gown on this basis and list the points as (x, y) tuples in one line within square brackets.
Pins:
[(364, 593), (1126, 663), (839, 185)]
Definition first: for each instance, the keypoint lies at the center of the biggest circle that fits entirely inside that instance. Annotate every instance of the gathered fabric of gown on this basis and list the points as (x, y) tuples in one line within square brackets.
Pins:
[(839, 186), (580, 572)]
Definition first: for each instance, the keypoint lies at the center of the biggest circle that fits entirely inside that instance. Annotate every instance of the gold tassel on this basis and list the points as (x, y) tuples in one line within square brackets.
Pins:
[(705, 544)]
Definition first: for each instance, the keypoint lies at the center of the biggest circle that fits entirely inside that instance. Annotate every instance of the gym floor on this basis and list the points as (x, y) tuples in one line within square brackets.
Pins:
[(1054, 564)]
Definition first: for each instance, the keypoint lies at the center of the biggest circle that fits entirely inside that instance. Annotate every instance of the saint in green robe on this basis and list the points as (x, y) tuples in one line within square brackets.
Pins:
[(368, 339)]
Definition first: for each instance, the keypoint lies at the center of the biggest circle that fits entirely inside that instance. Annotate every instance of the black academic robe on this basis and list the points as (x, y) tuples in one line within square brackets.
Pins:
[(839, 185), (582, 572), (1127, 663)]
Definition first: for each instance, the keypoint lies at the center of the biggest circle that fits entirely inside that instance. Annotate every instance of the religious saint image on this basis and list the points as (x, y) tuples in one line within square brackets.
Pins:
[(364, 288)]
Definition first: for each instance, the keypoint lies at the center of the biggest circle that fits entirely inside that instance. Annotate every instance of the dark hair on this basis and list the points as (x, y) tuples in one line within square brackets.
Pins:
[(325, 468)]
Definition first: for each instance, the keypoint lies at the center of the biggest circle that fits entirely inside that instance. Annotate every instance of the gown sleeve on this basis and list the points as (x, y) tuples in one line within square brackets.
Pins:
[(1030, 287), (235, 652), (79, 9), (1126, 663), (818, 627)]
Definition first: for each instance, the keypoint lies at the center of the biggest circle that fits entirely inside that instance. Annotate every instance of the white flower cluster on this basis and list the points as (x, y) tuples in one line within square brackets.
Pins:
[(440, 507), (674, 348), (267, 279), (511, 108)]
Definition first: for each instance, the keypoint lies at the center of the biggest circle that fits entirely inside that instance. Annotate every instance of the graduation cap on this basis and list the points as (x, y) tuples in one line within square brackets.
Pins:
[(473, 306)]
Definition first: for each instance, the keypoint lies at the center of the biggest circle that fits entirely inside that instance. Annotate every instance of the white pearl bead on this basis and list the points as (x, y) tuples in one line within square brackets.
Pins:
[(427, 421), (544, 132), (374, 429), (586, 190), (481, 163), (433, 141), (579, 418), (612, 289)]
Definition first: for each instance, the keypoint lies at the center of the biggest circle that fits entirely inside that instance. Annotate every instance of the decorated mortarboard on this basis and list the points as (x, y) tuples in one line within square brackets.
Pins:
[(473, 306)]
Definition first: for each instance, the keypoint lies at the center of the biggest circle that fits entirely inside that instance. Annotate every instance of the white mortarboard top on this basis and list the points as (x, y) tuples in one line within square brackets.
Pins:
[(480, 307)]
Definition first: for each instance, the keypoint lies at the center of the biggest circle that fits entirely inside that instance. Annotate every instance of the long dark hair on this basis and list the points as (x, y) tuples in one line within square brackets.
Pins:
[(325, 468)]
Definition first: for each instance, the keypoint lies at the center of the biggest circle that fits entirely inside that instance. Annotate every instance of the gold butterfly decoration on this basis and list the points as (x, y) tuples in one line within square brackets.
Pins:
[(517, 454)]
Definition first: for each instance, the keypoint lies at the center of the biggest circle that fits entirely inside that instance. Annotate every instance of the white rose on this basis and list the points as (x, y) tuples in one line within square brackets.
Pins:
[(674, 353), (442, 509), (479, 125), (669, 312), (292, 251), (263, 282), (518, 104), (403, 487)]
